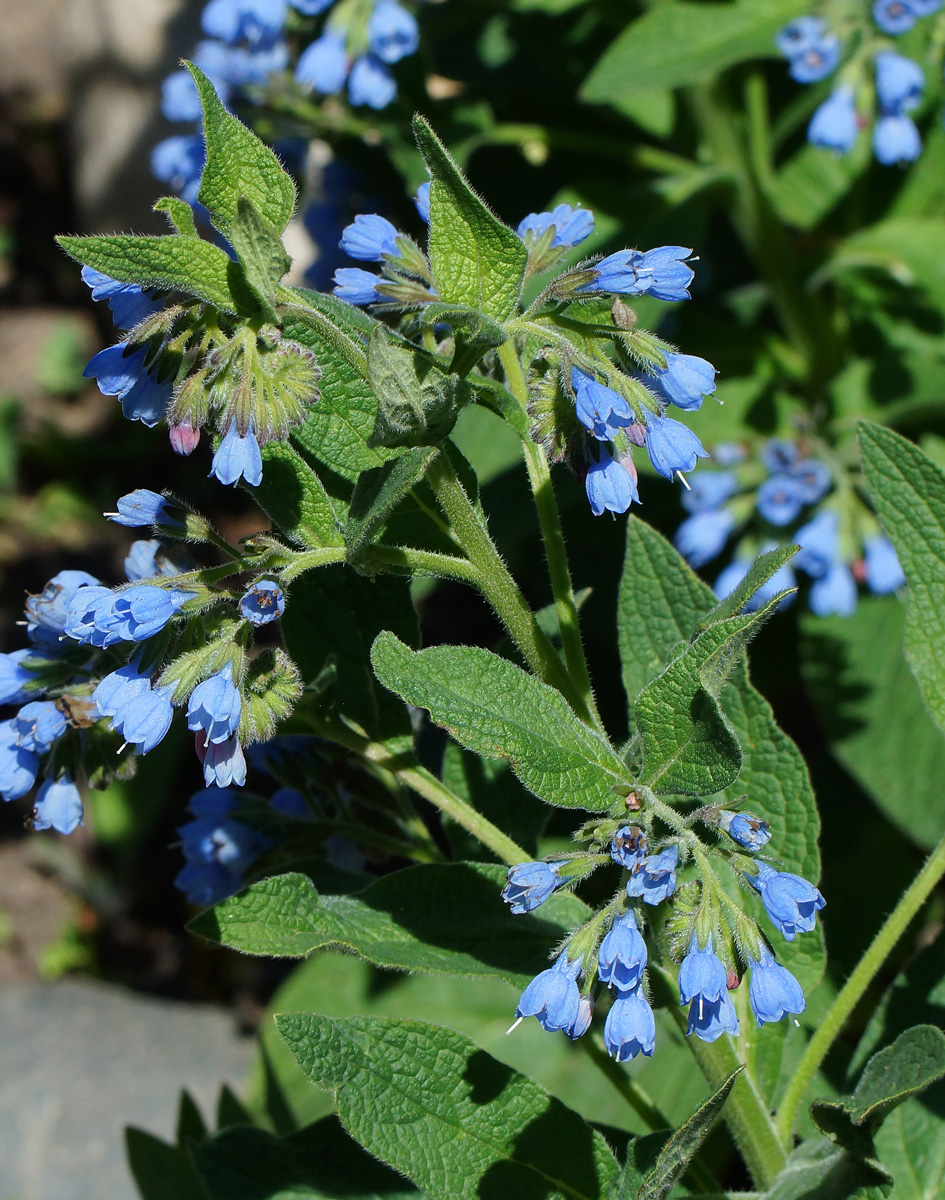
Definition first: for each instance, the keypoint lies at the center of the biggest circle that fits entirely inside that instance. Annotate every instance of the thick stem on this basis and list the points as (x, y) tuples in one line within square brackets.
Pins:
[(308, 560), (882, 945), (539, 477)]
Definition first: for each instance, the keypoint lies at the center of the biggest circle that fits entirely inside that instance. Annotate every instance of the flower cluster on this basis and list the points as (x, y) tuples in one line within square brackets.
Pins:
[(585, 407), (106, 663), (841, 544), (712, 954), (895, 90)]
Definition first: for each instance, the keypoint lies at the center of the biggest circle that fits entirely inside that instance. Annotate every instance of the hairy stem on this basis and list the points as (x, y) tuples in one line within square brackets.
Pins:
[(880, 948)]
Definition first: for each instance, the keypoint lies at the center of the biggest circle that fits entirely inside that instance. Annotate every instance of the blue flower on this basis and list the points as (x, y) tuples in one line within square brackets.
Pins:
[(817, 61), (237, 457), (924, 8), (630, 1028), (530, 884), (48, 611), (143, 397), (104, 617), (582, 1022), (834, 593), (629, 846), (553, 996), (835, 124), (223, 762), (813, 479), (14, 677), (896, 139), (311, 8), (571, 225), (148, 560), (895, 16), (262, 602), (215, 706), (703, 535), (789, 900), (800, 35), (218, 850), (780, 499), (779, 455), (654, 878), (621, 958), (661, 272), (39, 724), (357, 286), (142, 507), (85, 606), (422, 202), (601, 410), (178, 161), (685, 380), (703, 985), (748, 831), (672, 446), (709, 489), (818, 544), (58, 806), (371, 83), (324, 64), (258, 22), (255, 65), (610, 485), (772, 989), (883, 571), (899, 82), (129, 302), (369, 238), (140, 714), (18, 766), (392, 32)]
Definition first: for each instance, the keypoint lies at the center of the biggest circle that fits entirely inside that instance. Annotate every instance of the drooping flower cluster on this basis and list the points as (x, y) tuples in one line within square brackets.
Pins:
[(713, 955), (105, 661), (894, 90), (586, 408), (840, 541)]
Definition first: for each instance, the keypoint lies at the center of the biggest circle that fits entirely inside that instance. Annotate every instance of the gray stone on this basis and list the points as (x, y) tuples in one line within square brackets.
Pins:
[(79, 1061)]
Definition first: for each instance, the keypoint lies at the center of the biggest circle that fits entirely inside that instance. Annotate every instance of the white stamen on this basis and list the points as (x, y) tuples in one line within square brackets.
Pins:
[(701, 999), (21, 622), (683, 480), (121, 747), (514, 1026), (797, 1023), (114, 514)]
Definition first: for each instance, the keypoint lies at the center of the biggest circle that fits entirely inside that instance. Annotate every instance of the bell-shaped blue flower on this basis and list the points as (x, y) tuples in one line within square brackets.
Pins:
[(143, 396), (835, 124), (817, 61), (217, 848), (709, 489), (881, 566), (357, 286), (834, 593), (215, 706), (703, 535), (628, 846), (750, 832), (253, 65), (148, 559), (800, 34), (609, 484), (238, 457), (258, 22), (896, 139), (900, 82), (262, 602), (39, 724), (779, 455), (224, 764), (703, 985), (58, 806), (780, 499), (818, 543), (684, 381), (653, 879), (369, 237), (621, 957), (630, 1028), (571, 225), (661, 272), (601, 410), (140, 714), (553, 996), (673, 447), (48, 611), (530, 884), (15, 677), (582, 1021), (371, 83), (137, 613), (894, 16), (790, 901), (18, 765), (142, 507), (324, 64), (129, 302), (393, 32), (772, 989), (813, 479)]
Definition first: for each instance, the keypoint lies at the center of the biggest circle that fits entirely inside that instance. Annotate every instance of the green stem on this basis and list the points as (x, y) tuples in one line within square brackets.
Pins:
[(407, 561), (539, 476), (322, 556), (625, 1084), (881, 947)]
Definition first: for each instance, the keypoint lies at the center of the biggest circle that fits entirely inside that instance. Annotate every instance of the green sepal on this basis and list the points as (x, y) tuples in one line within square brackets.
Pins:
[(417, 402), (261, 253), (271, 687)]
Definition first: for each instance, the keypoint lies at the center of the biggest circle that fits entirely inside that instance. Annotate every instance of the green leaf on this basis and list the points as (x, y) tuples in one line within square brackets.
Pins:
[(493, 707), (814, 180), (175, 262), (261, 253), (489, 785), (378, 492), (764, 567), (474, 332), (190, 1122), (294, 499), (819, 1170), (239, 164), (161, 1171), (432, 1105), (355, 322), (320, 1162), (676, 43), (417, 402), (909, 248), (914, 1060), (179, 213), (477, 261), (441, 919), (908, 492), (870, 708), (334, 617)]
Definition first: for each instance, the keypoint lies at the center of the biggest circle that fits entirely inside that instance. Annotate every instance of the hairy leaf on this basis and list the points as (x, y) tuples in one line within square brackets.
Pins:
[(261, 253), (294, 498), (417, 402)]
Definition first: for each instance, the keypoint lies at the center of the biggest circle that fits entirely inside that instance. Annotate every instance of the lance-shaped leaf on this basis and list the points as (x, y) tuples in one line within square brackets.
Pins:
[(764, 567), (440, 919), (175, 262), (261, 253), (417, 401), (493, 707), (432, 1105), (379, 491), (477, 261), (294, 498), (239, 164), (908, 492)]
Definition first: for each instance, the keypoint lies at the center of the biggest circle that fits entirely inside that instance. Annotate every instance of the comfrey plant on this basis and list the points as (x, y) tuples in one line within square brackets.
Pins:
[(326, 821), (874, 82)]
